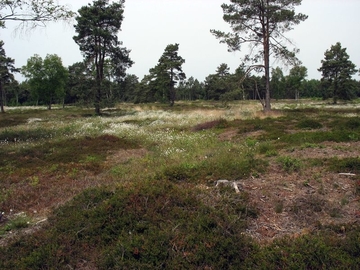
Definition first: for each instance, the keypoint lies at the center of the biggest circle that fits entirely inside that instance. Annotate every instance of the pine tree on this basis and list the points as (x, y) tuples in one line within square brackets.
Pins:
[(97, 29), (6, 69), (337, 71), (168, 72), (261, 24)]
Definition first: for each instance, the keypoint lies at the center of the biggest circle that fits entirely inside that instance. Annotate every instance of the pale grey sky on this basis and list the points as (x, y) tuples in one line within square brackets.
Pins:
[(150, 25)]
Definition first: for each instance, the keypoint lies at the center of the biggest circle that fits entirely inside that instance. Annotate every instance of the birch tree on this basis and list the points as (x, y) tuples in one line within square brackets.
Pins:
[(33, 13)]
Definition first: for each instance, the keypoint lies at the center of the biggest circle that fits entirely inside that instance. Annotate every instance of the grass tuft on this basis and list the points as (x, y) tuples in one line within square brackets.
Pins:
[(289, 164)]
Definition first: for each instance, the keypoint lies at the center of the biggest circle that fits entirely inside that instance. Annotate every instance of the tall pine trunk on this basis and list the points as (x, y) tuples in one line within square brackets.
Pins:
[(2, 98), (172, 88), (267, 62), (97, 102)]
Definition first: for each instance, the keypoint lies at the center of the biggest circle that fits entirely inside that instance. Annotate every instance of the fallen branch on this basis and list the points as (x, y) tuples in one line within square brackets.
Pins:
[(228, 183), (236, 188), (347, 174)]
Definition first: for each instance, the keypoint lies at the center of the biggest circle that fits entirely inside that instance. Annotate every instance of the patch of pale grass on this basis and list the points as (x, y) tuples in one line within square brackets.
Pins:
[(308, 103), (167, 137), (163, 119), (166, 129), (207, 114), (350, 115), (28, 108)]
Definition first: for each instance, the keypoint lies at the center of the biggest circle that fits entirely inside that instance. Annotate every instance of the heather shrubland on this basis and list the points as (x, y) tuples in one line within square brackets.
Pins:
[(135, 188)]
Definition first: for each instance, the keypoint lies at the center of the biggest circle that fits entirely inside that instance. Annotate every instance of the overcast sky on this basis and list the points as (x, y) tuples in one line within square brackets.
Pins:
[(150, 25)]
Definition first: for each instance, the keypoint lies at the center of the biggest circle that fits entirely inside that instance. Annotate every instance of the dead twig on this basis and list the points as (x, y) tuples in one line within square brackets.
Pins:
[(347, 174)]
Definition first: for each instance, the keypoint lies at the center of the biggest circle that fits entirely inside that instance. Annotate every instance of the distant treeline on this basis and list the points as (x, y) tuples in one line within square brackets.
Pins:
[(222, 85)]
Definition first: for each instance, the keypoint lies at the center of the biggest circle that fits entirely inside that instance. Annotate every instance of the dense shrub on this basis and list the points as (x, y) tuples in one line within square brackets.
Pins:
[(142, 226), (351, 124), (309, 124), (350, 165), (323, 251), (289, 164), (220, 123)]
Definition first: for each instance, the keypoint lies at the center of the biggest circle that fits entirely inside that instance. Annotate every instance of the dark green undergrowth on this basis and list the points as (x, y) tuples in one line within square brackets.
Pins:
[(21, 116), (14, 118), (142, 226), (289, 164), (217, 124), (344, 165), (324, 250), (310, 128), (79, 150), (309, 124), (223, 164), (10, 136), (153, 225), (300, 138), (350, 123)]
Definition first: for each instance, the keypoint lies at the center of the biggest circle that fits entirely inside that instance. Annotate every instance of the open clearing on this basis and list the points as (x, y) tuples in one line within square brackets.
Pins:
[(299, 166)]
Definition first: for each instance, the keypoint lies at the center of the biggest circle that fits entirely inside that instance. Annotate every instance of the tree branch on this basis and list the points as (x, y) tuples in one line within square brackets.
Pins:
[(34, 12)]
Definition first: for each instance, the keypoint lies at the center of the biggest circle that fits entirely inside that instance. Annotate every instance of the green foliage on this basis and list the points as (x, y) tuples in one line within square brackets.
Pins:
[(128, 88), (263, 25), (182, 173), (158, 224), (80, 88), (15, 223), (302, 138), (224, 164), (289, 164), (294, 81), (97, 28), (324, 251), (345, 165), (165, 75), (277, 83), (347, 124), (145, 225), (267, 148), (336, 71), (220, 124), (251, 125), (190, 89), (219, 85), (7, 69), (89, 151), (47, 78), (160, 208), (309, 124), (311, 89), (25, 135)]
